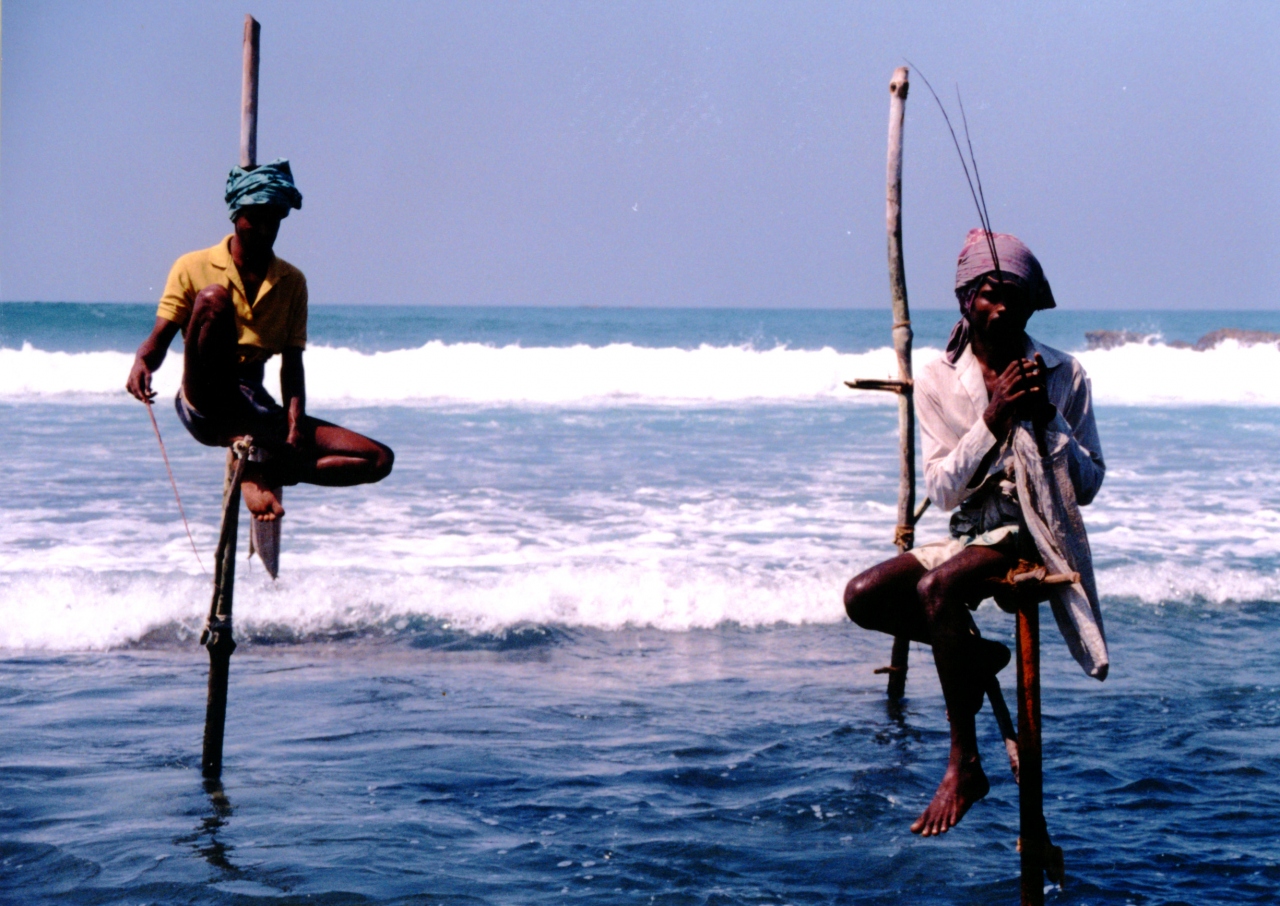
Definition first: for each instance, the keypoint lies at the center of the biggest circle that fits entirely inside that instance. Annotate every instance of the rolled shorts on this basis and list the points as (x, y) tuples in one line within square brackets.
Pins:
[(1004, 538), (260, 416)]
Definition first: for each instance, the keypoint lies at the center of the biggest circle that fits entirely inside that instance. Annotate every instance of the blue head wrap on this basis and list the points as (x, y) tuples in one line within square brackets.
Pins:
[(267, 184)]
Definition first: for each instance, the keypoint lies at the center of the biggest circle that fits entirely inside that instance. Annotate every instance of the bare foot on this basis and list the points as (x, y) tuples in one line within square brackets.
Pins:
[(962, 786), (261, 501)]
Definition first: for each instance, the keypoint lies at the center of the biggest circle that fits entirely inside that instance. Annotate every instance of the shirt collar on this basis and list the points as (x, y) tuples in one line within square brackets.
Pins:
[(1052, 358), (220, 254), (220, 257)]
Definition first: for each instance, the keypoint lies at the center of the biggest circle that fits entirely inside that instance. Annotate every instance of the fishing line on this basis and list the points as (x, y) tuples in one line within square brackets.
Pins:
[(983, 217), (174, 483)]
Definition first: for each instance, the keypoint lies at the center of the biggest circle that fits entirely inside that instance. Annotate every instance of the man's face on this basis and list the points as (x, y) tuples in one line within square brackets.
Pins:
[(257, 225), (1000, 312)]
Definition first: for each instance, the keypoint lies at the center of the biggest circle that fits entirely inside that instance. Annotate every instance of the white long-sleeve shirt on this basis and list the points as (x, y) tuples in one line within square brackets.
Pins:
[(950, 399)]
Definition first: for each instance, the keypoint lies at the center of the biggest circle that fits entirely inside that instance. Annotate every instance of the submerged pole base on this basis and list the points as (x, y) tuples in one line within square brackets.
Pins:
[(220, 645)]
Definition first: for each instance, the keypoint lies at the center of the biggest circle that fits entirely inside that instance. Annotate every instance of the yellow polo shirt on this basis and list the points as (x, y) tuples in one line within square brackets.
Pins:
[(276, 320)]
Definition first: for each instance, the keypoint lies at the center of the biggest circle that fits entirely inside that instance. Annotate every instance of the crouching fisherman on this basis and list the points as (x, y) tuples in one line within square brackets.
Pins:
[(1010, 441), (237, 305)]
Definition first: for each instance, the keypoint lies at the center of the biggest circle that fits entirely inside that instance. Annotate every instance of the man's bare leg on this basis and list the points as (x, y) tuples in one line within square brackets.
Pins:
[(210, 382), (331, 456), (962, 662), (340, 458), (885, 599)]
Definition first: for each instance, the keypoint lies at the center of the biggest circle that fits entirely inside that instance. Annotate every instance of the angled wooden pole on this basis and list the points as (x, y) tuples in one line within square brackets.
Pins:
[(904, 533), (217, 637), (1033, 837), (249, 95)]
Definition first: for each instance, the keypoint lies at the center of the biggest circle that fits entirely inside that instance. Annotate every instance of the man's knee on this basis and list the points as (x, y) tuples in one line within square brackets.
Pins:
[(857, 599), (933, 589), (213, 302), (383, 462)]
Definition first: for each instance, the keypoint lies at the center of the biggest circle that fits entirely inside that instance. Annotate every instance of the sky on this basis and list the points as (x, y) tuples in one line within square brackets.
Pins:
[(726, 154)]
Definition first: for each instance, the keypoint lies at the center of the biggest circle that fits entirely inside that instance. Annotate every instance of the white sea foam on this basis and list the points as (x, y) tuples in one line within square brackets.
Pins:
[(473, 373), (84, 610)]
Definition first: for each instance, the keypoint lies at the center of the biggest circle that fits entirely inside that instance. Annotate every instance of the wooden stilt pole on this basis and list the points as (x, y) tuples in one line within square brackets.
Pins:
[(904, 534), (249, 95), (217, 636), (1033, 838)]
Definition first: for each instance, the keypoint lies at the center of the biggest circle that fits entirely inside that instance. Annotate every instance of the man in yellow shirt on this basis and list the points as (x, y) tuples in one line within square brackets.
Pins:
[(237, 305)]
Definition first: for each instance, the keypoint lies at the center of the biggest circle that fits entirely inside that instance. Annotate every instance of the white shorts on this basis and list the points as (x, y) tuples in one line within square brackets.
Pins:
[(936, 553)]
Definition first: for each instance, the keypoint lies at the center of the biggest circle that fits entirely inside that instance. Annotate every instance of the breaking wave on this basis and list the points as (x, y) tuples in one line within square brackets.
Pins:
[(1132, 373), (86, 610)]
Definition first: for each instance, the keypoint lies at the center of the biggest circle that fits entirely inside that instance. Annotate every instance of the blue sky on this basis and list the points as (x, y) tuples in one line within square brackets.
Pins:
[(646, 154)]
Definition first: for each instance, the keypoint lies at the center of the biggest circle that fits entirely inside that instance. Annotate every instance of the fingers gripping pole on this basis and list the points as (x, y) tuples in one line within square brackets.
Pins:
[(217, 636)]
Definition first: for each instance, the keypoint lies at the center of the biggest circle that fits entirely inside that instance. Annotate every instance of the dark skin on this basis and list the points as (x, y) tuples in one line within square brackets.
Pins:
[(324, 453), (899, 597)]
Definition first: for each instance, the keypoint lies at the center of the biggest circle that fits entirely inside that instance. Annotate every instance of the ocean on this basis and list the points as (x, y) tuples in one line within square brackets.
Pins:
[(586, 643)]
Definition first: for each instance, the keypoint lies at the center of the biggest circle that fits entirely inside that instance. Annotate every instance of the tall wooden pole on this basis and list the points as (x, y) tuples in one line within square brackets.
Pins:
[(249, 95), (904, 534), (217, 637), (1033, 835)]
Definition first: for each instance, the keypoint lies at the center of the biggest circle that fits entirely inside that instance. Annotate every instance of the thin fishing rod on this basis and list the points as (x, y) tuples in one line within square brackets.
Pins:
[(978, 177), (981, 208), (173, 482)]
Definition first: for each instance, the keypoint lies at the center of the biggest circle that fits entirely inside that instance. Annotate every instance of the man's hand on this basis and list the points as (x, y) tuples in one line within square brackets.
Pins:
[(139, 383), (1040, 410), (150, 356), (1009, 398)]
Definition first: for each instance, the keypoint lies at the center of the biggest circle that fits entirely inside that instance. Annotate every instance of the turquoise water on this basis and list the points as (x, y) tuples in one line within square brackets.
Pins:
[(586, 643)]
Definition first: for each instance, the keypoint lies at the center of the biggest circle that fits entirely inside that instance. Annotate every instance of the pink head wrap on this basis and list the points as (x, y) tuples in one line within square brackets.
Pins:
[(1016, 265)]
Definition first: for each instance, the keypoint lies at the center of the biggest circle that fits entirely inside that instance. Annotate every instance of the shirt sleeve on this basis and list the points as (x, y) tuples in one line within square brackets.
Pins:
[(179, 295), (1075, 428), (298, 316), (948, 466)]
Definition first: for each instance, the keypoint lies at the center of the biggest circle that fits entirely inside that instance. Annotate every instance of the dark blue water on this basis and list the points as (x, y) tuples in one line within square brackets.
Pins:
[(592, 649), (724, 766)]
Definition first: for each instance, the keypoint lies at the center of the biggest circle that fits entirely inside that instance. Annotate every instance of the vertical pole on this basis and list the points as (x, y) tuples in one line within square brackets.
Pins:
[(217, 636), (1032, 834), (249, 95), (904, 534)]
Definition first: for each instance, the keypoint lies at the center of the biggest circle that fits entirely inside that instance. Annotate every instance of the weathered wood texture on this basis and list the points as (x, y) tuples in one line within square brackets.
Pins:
[(217, 636), (904, 534), (249, 95), (1032, 832)]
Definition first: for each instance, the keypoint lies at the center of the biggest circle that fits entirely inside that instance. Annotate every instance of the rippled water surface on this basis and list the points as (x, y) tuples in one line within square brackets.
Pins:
[(586, 642)]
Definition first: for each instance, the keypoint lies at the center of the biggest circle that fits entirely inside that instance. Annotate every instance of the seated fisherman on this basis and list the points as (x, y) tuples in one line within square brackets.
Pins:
[(237, 305), (992, 379)]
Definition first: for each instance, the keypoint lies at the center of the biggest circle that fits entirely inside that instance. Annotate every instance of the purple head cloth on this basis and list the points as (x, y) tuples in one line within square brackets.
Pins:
[(1017, 265)]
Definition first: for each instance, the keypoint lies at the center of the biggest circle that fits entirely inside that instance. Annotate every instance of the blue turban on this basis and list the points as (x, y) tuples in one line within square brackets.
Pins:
[(268, 184)]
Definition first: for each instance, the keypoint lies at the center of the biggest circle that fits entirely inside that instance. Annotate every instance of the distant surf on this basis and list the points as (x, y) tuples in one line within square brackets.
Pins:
[(1127, 370)]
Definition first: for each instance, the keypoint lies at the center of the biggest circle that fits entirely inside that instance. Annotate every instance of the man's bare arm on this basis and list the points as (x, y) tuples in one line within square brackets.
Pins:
[(293, 388), (149, 358)]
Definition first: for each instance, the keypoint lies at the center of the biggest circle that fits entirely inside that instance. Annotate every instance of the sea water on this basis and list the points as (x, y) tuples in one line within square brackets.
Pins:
[(586, 643)]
